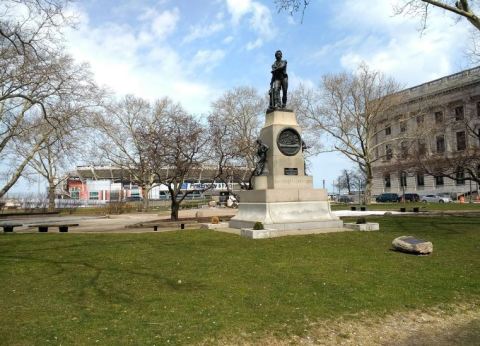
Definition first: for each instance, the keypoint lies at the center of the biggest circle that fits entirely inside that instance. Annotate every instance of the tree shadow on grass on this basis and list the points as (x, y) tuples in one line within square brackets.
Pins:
[(464, 335), (112, 294), (447, 225)]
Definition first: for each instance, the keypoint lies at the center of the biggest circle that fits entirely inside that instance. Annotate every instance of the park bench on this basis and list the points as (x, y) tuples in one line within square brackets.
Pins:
[(8, 227), (166, 225), (62, 227)]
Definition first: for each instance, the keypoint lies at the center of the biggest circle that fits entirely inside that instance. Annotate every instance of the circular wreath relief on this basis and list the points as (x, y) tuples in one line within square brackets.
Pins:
[(289, 142)]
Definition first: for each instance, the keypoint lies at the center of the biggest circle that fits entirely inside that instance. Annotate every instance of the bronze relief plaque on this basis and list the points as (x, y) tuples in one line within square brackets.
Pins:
[(289, 142)]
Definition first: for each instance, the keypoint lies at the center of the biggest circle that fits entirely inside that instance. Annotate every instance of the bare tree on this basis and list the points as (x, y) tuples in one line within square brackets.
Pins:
[(121, 128), (55, 81), (466, 9), (349, 180), (176, 150), (30, 37), (19, 122), (62, 144), (32, 77), (234, 126), (51, 163), (462, 8), (313, 146), (33, 25), (292, 6), (345, 108)]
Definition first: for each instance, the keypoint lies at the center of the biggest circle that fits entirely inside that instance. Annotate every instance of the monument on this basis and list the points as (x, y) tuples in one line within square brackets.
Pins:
[(283, 198)]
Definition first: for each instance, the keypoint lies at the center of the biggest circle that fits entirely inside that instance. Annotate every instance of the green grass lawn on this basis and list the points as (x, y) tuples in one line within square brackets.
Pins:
[(186, 286), (409, 205)]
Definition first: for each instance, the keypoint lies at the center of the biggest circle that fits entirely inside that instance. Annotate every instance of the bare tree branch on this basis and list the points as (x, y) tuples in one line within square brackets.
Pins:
[(345, 108)]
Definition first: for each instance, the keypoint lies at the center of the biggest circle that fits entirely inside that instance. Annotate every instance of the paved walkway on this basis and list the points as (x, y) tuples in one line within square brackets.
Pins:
[(118, 223), (87, 224)]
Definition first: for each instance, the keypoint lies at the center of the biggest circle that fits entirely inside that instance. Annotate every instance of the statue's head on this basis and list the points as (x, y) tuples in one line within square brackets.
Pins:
[(278, 54)]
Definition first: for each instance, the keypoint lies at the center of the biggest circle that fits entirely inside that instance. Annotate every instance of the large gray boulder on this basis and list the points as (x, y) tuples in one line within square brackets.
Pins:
[(413, 245)]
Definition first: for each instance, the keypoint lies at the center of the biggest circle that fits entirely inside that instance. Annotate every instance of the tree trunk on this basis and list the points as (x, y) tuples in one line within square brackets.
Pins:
[(347, 176), (368, 184), (51, 196), (146, 202), (175, 208)]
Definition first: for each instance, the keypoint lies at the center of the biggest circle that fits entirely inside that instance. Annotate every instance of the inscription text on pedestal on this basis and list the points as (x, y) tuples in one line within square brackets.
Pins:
[(291, 171)]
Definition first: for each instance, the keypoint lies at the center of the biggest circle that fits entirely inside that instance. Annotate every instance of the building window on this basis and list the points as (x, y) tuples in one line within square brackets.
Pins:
[(388, 152), (459, 113), (388, 130), (420, 119), (440, 144), (403, 126), (422, 147), (404, 149), (115, 195), (403, 179), (461, 140), (420, 179), (93, 195), (438, 117), (439, 180), (386, 180), (75, 193), (460, 176)]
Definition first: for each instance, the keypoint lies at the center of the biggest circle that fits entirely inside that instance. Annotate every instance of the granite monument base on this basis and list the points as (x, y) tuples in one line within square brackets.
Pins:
[(291, 211)]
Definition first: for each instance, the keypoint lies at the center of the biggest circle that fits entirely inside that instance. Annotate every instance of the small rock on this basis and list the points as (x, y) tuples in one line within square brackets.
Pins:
[(413, 245)]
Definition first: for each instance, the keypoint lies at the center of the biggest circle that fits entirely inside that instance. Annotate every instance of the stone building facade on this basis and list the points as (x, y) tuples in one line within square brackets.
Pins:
[(441, 119)]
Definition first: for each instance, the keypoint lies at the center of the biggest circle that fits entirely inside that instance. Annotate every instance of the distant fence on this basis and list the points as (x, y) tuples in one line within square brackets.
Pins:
[(76, 203), (40, 203)]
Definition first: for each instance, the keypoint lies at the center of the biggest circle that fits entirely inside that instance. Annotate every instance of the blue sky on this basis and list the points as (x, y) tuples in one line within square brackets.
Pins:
[(194, 50)]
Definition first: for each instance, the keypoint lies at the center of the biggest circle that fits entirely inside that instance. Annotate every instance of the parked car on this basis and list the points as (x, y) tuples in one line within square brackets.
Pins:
[(164, 195), (344, 199), (191, 195), (195, 195), (409, 197), (387, 197), (134, 198), (436, 199)]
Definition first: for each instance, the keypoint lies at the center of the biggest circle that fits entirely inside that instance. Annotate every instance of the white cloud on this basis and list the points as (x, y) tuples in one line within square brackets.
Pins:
[(200, 31), (165, 23), (133, 60), (228, 39), (238, 8), (208, 58), (394, 45), (294, 81), (260, 20), (254, 44)]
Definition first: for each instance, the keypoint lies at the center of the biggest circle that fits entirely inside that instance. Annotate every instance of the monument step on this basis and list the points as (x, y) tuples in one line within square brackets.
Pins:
[(273, 233)]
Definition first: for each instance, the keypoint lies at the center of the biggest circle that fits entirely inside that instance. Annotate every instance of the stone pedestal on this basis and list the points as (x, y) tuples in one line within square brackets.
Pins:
[(284, 199)]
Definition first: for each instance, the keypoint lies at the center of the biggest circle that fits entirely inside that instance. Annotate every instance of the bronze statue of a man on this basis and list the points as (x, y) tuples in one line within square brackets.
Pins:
[(279, 81), (262, 149)]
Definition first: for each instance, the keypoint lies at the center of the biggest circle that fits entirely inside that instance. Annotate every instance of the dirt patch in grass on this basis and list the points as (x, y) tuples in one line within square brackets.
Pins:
[(453, 325)]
